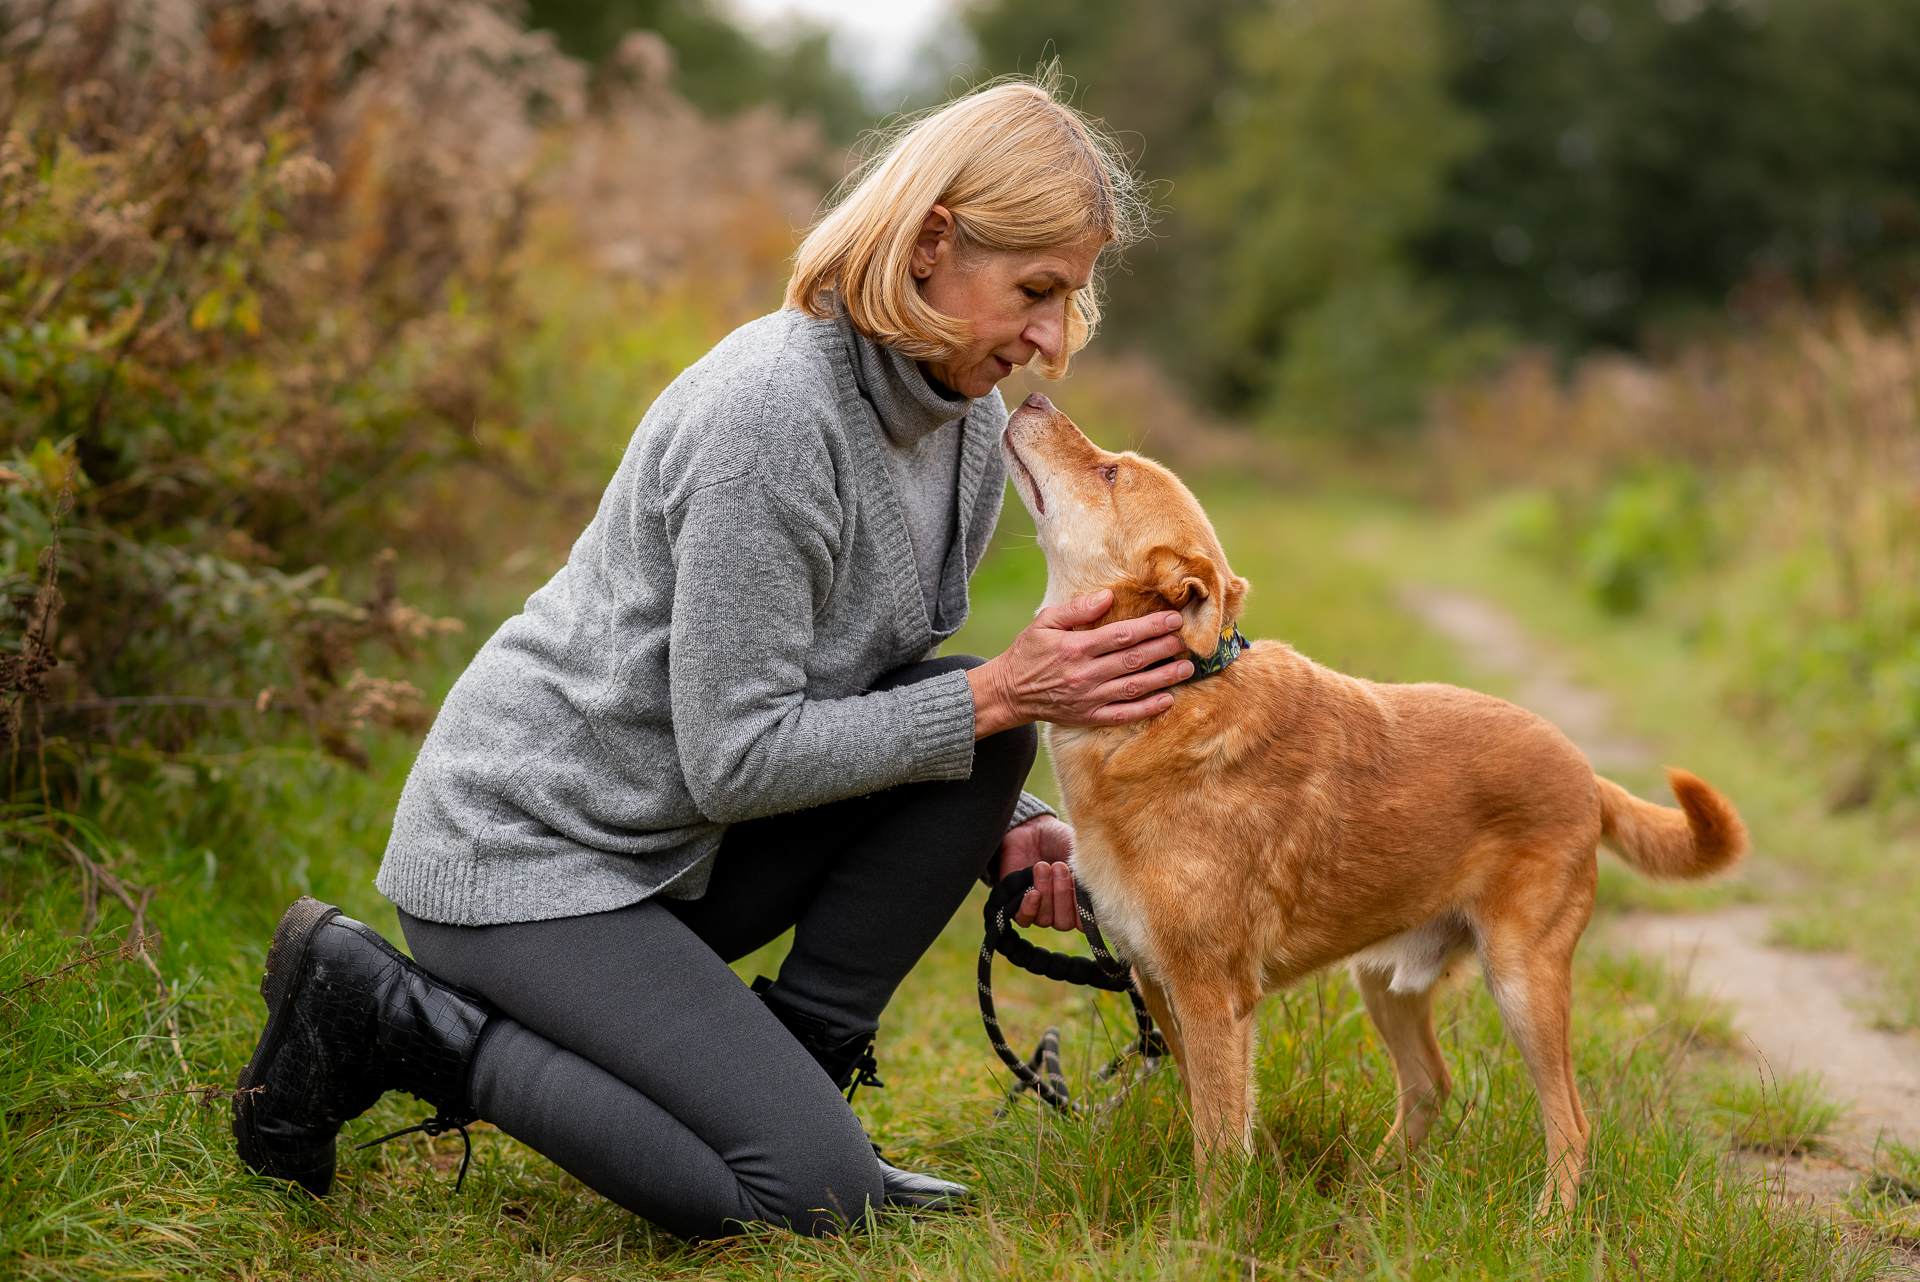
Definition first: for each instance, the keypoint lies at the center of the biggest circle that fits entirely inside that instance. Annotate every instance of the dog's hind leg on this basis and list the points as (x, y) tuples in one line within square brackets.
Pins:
[(1529, 968), (1405, 1021)]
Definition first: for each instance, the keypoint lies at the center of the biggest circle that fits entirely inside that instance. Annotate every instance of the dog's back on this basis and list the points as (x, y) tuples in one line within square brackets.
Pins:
[(1319, 813)]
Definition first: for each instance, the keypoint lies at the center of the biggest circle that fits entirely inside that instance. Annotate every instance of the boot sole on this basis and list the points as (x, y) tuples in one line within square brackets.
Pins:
[(286, 963)]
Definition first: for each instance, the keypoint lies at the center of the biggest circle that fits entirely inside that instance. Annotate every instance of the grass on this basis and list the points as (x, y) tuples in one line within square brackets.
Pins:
[(1888, 1205), (1785, 1117), (112, 1165)]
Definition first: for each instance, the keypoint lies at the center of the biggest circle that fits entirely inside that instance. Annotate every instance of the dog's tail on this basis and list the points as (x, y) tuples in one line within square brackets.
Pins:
[(1703, 837)]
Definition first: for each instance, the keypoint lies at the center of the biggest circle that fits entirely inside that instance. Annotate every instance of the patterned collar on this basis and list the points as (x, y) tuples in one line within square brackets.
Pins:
[(1232, 646)]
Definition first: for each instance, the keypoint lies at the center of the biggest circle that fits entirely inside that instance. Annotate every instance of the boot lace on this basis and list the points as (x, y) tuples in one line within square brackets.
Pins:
[(438, 1124), (866, 1072)]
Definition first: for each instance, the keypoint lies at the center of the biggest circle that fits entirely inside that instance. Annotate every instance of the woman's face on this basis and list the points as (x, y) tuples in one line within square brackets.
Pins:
[(1016, 302)]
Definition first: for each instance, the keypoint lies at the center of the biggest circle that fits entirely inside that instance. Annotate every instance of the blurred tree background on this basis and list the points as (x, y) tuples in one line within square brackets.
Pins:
[(722, 68), (1361, 194)]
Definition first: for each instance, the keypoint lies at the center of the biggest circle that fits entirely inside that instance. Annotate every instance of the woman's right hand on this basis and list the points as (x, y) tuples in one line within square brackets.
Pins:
[(1099, 677)]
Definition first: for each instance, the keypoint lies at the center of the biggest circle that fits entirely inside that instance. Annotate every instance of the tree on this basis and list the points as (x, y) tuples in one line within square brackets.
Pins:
[(1334, 161), (722, 68), (1643, 161), (1159, 75)]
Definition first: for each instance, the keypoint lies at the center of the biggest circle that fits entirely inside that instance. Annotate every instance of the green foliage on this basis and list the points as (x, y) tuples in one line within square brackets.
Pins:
[(1752, 491), (1162, 75), (254, 337), (177, 424), (1847, 673), (1307, 144), (1365, 194), (1642, 161), (722, 68), (1334, 161), (1649, 527), (1528, 521), (1362, 360)]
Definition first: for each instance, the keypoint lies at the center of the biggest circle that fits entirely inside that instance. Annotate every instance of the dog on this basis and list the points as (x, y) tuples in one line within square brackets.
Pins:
[(1281, 817)]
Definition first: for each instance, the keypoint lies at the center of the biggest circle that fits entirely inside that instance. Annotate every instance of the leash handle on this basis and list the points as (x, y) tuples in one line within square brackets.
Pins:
[(1105, 972)]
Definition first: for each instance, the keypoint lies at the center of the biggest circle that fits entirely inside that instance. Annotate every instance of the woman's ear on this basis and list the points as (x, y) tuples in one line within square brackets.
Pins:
[(935, 238)]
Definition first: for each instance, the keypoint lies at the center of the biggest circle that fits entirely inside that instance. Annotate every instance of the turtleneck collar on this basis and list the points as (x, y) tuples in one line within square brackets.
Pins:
[(908, 406)]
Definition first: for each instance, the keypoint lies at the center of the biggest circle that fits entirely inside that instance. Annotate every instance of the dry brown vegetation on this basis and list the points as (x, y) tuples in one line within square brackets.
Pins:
[(287, 284)]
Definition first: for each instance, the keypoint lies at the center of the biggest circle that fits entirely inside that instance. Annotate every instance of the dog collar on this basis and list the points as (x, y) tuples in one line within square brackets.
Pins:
[(1232, 646)]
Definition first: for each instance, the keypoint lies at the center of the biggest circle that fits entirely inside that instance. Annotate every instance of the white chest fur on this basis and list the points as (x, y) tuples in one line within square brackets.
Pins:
[(1123, 922), (1123, 918)]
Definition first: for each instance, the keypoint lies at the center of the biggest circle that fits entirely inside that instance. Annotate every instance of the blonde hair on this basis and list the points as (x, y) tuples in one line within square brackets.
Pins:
[(1019, 170)]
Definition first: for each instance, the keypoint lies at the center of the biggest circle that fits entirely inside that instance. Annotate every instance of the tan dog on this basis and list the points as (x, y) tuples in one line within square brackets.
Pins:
[(1281, 817)]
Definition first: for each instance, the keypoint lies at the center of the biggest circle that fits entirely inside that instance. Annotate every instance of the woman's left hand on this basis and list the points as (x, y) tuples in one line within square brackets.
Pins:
[(1043, 844)]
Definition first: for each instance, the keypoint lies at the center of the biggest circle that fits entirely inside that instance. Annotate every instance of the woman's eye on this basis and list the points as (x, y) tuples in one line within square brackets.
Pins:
[(1034, 295), (1110, 473)]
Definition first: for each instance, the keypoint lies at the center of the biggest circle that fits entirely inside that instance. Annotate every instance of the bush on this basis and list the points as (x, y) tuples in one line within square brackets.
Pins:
[(1649, 526), (274, 289)]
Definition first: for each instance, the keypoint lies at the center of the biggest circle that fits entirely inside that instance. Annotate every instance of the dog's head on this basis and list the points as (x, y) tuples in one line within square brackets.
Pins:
[(1122, 522)]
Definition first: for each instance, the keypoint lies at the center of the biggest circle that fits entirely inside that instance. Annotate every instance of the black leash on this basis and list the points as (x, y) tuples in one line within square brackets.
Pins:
[(1041, 1073)]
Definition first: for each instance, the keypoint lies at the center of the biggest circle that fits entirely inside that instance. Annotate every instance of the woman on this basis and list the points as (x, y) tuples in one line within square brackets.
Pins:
[(722, 720)]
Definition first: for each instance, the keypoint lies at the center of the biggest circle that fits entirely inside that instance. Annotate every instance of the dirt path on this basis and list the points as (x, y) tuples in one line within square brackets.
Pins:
[(1798, 1011), (1494, 644)]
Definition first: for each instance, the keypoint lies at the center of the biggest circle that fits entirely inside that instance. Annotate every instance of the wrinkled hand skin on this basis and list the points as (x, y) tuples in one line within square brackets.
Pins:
[(1043, 844), (1100, 676)]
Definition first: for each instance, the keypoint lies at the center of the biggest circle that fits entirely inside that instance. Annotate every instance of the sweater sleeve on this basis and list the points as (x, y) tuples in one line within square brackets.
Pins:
[(750, 573), (1029, 807)]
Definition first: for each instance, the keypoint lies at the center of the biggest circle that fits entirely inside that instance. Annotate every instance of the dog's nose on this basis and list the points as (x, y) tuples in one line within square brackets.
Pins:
[(1037, 402)]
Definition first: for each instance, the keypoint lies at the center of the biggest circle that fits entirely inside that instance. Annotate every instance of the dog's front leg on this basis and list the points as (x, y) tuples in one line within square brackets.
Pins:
[(1216, 1062)]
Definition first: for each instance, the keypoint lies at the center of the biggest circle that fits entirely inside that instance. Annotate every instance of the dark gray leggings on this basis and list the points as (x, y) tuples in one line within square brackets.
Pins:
[(626, 1051)]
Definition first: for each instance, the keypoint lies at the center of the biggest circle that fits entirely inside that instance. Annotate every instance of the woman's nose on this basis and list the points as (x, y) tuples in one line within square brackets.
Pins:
[(1046, 333)]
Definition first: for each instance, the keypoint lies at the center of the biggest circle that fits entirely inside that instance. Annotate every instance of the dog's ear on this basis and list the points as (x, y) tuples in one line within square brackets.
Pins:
[(1194, 585)]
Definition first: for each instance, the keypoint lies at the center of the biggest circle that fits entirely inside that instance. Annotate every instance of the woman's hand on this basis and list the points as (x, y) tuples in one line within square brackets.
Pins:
[(1043, 844), (1095, 678)]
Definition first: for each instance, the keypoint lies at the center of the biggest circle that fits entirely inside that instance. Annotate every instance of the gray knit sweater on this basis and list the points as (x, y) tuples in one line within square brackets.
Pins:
[(704, 656)]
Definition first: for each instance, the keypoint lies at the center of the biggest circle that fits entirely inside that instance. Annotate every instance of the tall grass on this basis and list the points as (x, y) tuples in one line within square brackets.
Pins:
[(291, 301), (1740, 517), (1760, 488)]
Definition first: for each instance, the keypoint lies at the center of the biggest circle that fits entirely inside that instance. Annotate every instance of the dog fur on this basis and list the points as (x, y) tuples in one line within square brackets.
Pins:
[(1282, 817)]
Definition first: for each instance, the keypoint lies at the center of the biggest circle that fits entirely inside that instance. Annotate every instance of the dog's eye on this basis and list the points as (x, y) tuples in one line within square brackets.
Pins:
[(1110, 473)]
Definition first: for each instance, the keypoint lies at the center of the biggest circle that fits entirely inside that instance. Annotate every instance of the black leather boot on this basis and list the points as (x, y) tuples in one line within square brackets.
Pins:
[(851, 1065), (348, 1019)]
